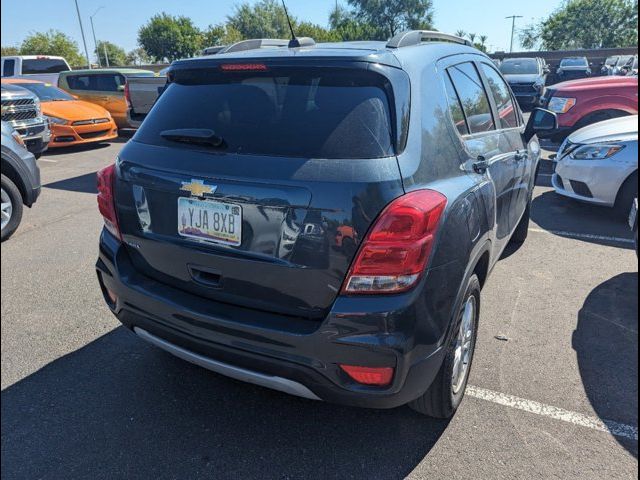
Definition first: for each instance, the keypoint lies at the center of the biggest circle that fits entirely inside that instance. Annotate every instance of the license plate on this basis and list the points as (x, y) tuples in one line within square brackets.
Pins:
[(210, 220)]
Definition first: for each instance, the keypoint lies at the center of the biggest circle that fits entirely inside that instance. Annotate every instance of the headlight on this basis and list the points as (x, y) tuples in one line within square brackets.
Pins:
[(595, 152), (561, 104), (56, 120), (38, 107), (16, 136)]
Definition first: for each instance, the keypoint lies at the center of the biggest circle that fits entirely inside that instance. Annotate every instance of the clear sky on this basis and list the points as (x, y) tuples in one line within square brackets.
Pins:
[(119, 20)]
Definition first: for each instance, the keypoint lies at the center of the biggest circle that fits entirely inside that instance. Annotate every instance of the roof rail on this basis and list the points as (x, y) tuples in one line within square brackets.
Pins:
[(416, 37)]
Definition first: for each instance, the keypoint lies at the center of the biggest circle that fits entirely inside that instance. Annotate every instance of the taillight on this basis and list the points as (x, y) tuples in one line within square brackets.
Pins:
[(244, 67), (106, 199), (395, 252), (378, 376)]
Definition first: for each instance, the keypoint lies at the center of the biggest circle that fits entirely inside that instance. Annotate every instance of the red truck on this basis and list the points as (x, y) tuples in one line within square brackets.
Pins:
[(579, 103)]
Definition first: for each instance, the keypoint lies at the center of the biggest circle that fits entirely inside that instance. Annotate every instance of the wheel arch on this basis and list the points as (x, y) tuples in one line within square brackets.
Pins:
[(9, 170)]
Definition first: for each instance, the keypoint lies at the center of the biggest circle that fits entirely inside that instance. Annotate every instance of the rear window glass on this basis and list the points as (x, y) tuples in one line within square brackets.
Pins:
[(43, 65), (302, 113)]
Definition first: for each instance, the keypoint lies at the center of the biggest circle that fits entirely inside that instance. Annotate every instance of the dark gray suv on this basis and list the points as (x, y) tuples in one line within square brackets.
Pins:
[(321, 219)]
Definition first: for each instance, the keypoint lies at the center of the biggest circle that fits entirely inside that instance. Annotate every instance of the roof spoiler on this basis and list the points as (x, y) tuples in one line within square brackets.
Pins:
[(254, 44), (416, 37)]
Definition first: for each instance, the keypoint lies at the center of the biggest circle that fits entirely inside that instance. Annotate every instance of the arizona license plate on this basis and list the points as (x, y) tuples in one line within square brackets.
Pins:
[(210, 220)]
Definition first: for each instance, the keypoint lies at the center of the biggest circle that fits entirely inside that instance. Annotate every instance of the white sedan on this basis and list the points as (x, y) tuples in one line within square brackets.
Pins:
[(599, 164)]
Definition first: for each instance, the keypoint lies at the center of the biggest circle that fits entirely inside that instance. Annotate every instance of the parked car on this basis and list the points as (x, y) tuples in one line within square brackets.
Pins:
[(435, 182), (579, 103), (527, 78), (598, 164), (608, 65), (72, 121), (21, 108), (141, 92), (104, 87), (574, 67), (20, 180), (623, 65), (631, 68), (38, 67)]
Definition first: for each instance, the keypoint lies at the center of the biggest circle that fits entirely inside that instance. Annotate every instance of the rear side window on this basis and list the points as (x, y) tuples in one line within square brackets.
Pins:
[(473, 97), (43, 65), (8, 68), (302, 113), (455, 107), (79, 82), (108, 82), (507, 114)]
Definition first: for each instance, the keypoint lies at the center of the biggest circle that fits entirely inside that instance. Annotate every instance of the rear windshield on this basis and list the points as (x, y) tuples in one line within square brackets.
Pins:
[(525, 66), (44, 65), (303, 113)]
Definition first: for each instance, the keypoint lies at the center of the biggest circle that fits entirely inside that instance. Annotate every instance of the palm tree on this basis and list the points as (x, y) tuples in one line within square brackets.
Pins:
[(483, 40), (472, 37), (461, 33)]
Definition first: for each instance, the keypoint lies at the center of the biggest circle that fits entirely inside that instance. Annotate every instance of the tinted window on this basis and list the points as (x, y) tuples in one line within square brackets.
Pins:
[(79, 82), (310, 113), (502, 96), (623, 60), (611, 61), (475, 102), (573, 62), (43, 65), (8, 68), (47, 92), (522, 66), (456, 109), (108, 82)]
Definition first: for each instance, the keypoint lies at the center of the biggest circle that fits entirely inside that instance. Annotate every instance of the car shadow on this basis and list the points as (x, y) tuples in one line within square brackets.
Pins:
[(119, 408), (606, 344), (54, 152), (83, 183), (581, 221)]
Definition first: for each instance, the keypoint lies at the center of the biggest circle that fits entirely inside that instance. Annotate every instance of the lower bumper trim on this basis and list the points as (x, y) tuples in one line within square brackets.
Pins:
[(275, 383)]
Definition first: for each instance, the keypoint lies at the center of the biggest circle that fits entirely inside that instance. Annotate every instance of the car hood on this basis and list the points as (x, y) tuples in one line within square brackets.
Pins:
[(523, 78), (622, 129), (595, 82), (74, 110)]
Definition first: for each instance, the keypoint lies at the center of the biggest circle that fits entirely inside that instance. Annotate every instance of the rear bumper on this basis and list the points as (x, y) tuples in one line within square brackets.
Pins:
[(294, 355)]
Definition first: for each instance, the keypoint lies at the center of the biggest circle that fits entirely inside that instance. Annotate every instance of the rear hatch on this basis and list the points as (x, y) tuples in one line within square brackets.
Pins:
[(253, 183)]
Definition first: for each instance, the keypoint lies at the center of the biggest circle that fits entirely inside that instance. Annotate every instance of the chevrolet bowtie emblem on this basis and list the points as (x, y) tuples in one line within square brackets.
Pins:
[(197, 188)]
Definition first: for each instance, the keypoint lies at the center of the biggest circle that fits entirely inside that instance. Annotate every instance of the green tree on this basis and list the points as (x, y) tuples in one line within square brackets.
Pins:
[(265, 19), (349, 27), (586, 24), (170, 37), (220, 34), (52, 42), (318, 33), (117, 55), (390, 17), (10, 51), (138, 56)]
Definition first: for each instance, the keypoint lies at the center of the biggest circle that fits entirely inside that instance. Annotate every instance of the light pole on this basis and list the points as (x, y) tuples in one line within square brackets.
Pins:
[(513, 28), (93, 31), (84, 40)]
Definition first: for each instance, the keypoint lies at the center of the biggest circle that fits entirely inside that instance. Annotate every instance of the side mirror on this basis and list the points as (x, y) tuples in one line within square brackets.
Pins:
[(546, 70), (541, 120), (121, 88)]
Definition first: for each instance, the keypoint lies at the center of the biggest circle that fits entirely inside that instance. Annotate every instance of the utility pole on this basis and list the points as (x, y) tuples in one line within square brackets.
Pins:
[(95, 42), (513, 28), (84, 40)]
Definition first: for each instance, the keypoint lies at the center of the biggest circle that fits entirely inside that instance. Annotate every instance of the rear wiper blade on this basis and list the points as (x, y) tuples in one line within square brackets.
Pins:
[(194, 136)]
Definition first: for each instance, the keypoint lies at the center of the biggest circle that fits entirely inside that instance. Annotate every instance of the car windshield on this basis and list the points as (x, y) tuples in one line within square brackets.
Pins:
[(622, 61), (611, 61), (47, 92), (573, 62), (520, 66), (635, 63), (284, 112)]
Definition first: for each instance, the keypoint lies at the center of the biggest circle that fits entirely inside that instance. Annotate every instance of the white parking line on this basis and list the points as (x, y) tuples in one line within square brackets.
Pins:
[(47, 160), (614, 428), (584, 236)]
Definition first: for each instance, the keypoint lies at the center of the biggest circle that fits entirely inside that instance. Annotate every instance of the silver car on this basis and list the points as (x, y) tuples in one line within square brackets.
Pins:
[(599, 164)]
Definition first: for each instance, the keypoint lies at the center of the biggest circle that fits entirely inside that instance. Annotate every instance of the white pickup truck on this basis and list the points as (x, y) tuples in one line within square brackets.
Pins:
[(37, 67)]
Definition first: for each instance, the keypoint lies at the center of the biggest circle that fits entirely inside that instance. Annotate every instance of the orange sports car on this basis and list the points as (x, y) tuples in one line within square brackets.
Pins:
[(73, 122)]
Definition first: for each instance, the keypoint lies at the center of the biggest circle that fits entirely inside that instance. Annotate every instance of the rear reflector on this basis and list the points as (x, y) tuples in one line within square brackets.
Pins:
[(244, 67), (395, 252), (380, 377), (106, 199)]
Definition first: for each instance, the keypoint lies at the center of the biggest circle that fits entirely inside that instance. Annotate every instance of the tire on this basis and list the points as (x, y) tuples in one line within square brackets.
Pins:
[(627, 193), (600, 116), (11, 195), (445, 394)]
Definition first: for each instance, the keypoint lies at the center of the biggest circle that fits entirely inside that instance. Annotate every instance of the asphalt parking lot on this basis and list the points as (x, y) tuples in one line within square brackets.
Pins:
[(554, 384)]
